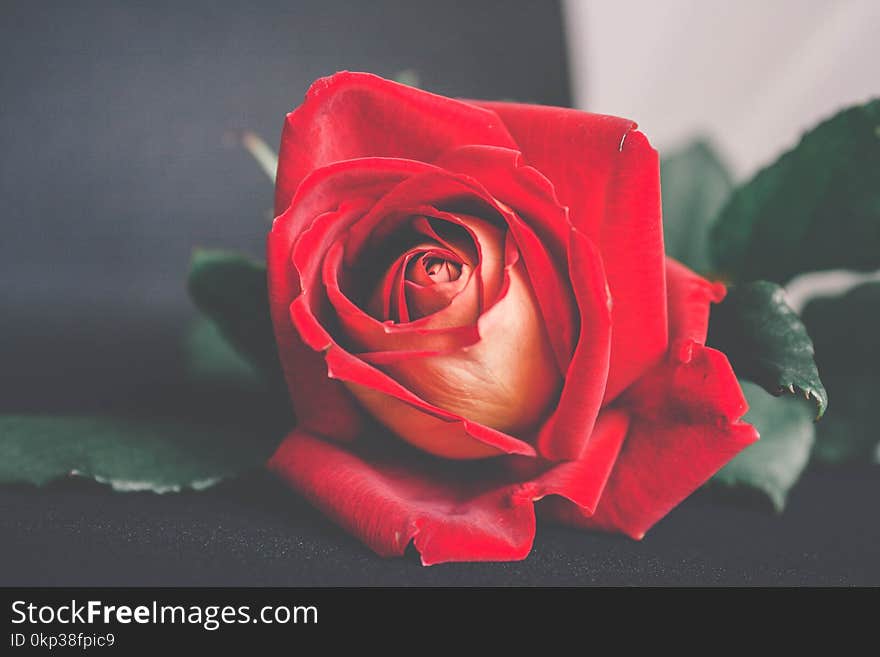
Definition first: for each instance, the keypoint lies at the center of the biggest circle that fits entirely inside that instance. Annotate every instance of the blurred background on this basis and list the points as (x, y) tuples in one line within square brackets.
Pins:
[(751, 75)]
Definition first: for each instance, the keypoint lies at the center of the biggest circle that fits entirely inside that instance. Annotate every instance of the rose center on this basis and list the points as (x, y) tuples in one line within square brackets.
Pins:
[(440, 269)]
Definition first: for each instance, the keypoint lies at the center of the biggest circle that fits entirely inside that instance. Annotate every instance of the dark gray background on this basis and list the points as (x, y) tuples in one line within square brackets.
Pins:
[(114, 165)]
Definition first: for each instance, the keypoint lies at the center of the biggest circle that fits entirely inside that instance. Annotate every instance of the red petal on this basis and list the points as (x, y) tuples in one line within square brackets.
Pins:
[(430, 299), (355, 115), (609, 177), (673, 445), (462, 244), (690, 299), (583, 481), (448, 517), (685, 421), (507, 177), (567, 432)]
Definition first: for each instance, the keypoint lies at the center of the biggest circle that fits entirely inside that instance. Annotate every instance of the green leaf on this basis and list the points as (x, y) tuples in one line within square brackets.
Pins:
[(234, 419), (212, 360), (817, 207), (234, 416), (130, 454), (846, 332), (772, 465), (231, 290), (695, 185), (766, 342)]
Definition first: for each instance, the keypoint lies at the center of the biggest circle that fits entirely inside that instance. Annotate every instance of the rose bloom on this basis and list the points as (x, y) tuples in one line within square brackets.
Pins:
[(476, 322)]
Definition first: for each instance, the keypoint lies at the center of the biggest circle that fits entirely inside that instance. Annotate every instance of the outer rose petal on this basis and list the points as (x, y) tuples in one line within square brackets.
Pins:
[(568, 431), (354, 115), (447, 516), (581, 481), (690, 299), (609, 177), (685, 422)]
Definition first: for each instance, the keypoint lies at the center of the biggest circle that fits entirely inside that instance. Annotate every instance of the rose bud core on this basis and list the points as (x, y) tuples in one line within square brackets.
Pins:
[(454, 275)]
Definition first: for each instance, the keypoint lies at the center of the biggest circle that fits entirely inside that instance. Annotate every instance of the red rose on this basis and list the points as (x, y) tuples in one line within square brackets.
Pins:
[(474, 312)]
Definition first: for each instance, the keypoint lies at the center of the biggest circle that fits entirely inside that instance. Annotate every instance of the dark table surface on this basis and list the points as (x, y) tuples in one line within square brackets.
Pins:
[(256, 532)]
